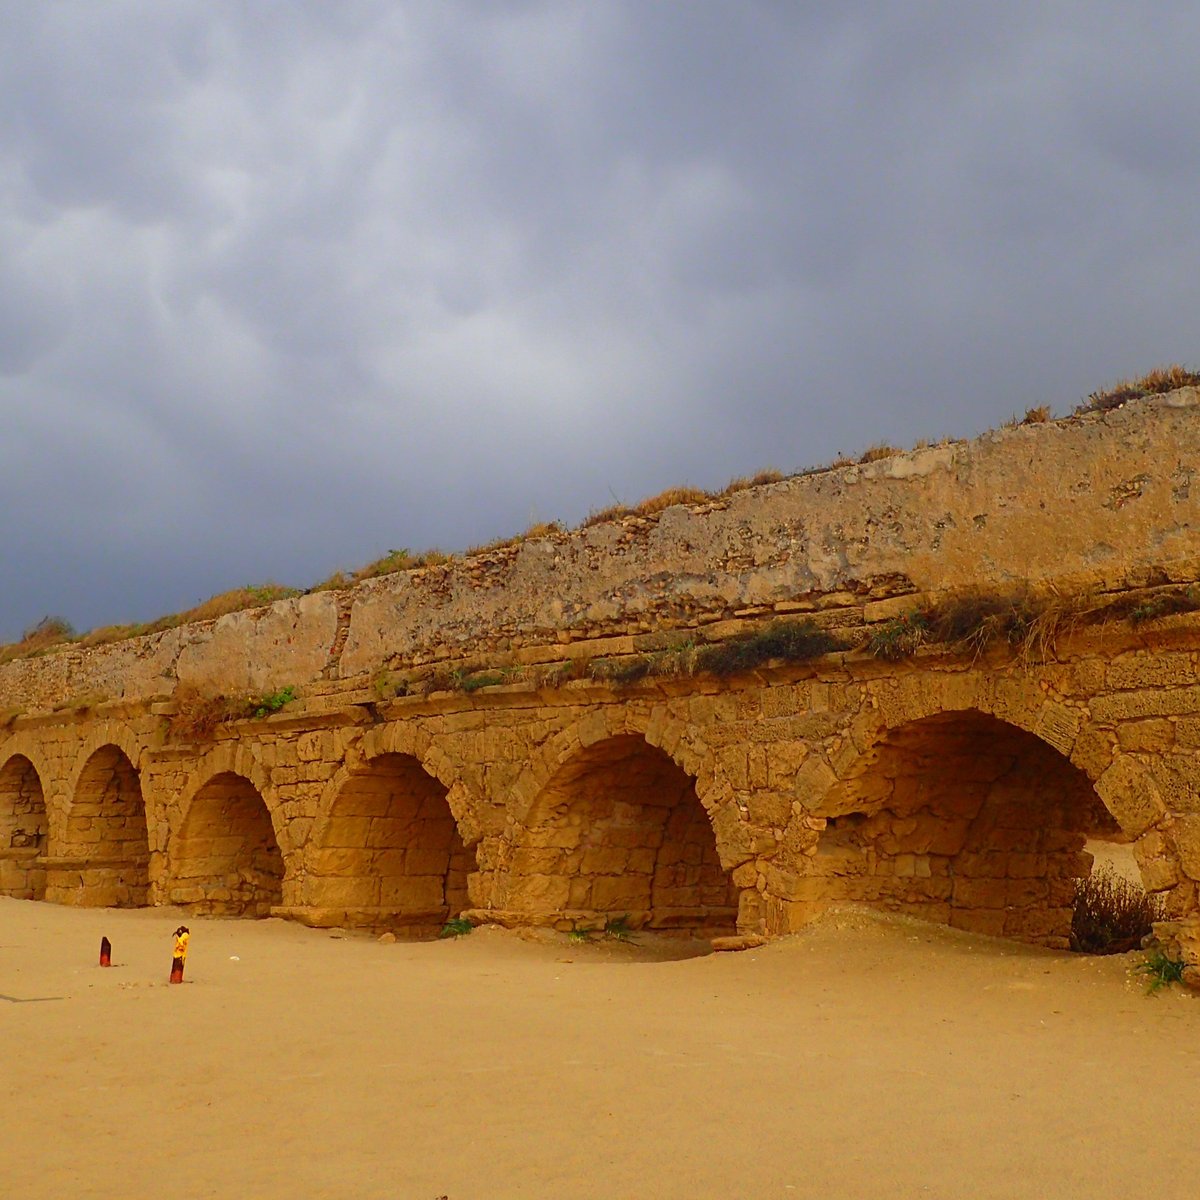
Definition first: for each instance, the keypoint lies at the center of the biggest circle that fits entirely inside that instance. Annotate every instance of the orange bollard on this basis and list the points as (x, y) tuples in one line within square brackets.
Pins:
[(105, 952), (181, 947)]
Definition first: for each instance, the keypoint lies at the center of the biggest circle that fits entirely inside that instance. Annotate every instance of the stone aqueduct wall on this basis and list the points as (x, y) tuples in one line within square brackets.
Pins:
[(955, 789)]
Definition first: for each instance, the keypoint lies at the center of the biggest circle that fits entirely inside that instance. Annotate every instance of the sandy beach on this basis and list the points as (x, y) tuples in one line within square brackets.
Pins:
[(868, 1057)]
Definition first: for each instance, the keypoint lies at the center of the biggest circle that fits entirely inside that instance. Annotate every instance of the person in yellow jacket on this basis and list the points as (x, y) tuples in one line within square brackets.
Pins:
[(181, 948)]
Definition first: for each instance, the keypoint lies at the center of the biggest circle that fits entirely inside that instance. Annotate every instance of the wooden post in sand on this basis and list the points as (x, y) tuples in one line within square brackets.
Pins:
[(181, 947), (105, 952)]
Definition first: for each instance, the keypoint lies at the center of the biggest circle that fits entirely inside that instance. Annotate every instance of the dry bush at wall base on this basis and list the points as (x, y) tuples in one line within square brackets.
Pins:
[(1111, 914), (1153, 383)]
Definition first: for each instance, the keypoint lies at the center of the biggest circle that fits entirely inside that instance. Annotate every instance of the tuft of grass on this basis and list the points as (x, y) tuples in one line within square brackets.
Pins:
[(674, 662), (540, 529), (834, 464), (744, 482), (393, 562), (789, 640), (224, 603), (618, 928), (898, 638), (670, 498), (563, 672), (621, 670), (1162, 969), (197, 715), (1165, 604), (580, 933), (48, 634), (1153, 383), (456, 927), (1036, 416), (973, 620), (465, 681), (792, 641), (601, 516), (271, 702), (1111, 914), (879, 451)]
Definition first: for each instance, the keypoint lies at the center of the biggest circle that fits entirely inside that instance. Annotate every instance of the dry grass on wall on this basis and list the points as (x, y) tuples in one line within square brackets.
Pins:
[(54, 633), (1154, 383)]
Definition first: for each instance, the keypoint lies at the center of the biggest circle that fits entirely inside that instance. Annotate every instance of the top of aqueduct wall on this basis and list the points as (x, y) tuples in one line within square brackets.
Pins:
[(1104, 499)]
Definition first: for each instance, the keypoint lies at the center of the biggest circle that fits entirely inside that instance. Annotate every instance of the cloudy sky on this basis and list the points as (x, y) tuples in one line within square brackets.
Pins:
[(285, 285)]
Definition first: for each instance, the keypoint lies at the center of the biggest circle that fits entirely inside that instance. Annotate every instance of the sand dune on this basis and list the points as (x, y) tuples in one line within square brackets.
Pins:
[(865, 1058)]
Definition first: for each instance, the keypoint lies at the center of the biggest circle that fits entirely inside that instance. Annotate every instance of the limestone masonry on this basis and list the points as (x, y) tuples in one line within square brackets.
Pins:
[(400, 789)]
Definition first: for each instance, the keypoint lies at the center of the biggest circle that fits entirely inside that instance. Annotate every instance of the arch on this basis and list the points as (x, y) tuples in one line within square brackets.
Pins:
[(1016, 701), (104, 734), (32, 750), (104, 856), (965, 818), (225, 860), (388, 852), (24, 829), (673, 738), (619, 829), (406, 738)]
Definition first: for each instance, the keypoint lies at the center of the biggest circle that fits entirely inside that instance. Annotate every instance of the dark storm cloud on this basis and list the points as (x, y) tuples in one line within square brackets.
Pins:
[(285, 286)]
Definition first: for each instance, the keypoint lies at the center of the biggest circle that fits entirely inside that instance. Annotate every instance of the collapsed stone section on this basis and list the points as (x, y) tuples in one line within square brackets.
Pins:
[(389, 854), (105, 851), (967, 821), (23, 830), (226, 861), (620, 831)]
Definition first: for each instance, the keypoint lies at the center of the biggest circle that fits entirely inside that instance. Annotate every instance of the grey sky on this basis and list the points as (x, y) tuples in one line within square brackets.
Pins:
[(284, 286)]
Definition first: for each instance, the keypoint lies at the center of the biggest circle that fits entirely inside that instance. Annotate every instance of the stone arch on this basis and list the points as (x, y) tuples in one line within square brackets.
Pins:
[(30, 748), (672, 737), (1016, 701), (24, 828), (965, 817), (617, 829), (406, 738), (388, 851), (224, 859), (102, 734), (103, 857)]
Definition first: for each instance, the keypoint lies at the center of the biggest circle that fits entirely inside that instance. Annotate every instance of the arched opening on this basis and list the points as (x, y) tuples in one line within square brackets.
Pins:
[(389, 855), (225, 860), (619, 830), (23, 830), (963, 819), (106, 850)]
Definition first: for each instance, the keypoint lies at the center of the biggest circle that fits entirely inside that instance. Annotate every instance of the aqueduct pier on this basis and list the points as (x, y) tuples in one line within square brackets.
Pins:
[(519, 785)]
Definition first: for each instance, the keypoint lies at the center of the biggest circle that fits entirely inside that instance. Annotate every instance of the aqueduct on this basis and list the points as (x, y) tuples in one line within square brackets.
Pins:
[(452, 750)]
